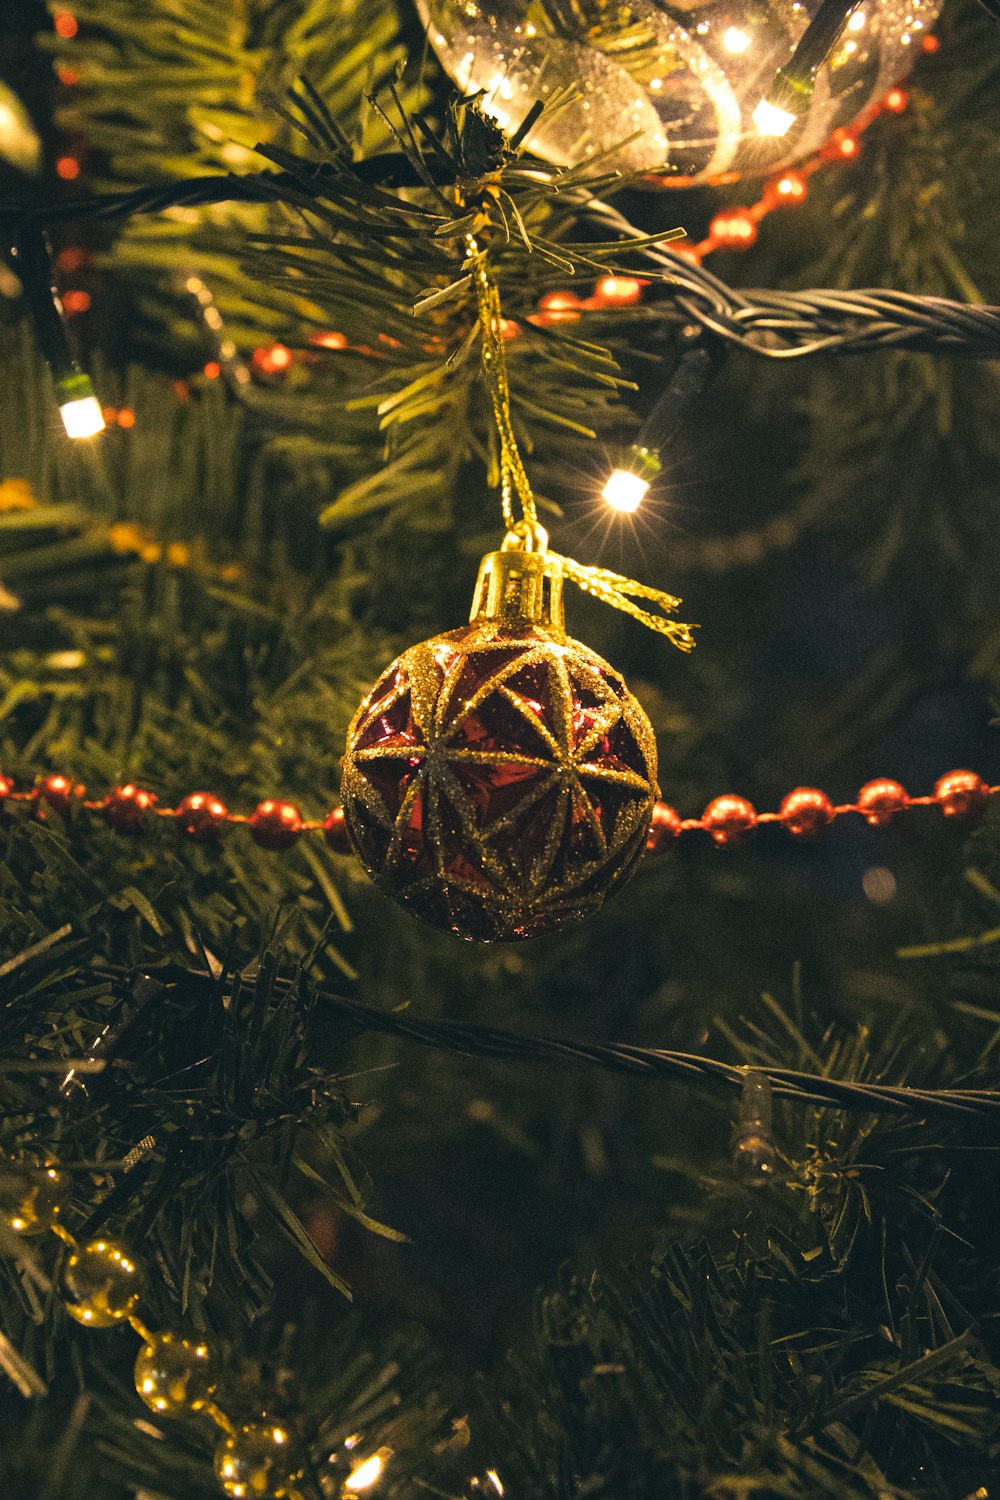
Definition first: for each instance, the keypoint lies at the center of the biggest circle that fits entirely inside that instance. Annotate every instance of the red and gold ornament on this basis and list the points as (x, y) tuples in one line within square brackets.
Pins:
[(499, 779)]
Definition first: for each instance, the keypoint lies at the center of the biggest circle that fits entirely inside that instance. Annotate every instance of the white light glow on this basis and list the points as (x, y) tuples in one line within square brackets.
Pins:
[(857, 21), (735, 40), (770, 119), (624, 490), (82, 419), (365, 1475)]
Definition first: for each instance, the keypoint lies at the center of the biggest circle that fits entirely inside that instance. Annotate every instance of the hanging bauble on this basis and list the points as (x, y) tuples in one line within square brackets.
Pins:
[(499, 779), (668, 89)]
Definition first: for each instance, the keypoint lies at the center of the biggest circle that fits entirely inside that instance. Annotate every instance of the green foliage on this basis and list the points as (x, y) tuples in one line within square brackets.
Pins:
[(201, 599)]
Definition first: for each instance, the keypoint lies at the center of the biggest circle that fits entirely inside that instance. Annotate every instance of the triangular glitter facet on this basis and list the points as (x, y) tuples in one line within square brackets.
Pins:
[(498, 727), (391, 775), (495, 789)]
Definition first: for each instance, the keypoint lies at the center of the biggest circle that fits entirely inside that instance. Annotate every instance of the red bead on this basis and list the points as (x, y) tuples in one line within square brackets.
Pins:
[(790, 187), (881, 800), (806, 812), (56, 792), (335, 832), (126, 806), (558, 307), (728, 818), (664, 827), (275, 825), (618, 291), (842, 144), (961, 794), (200, 816), (733, 231), (272, 359)]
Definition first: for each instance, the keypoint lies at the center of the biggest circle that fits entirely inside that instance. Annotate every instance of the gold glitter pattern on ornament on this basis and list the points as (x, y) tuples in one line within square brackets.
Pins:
[(499, 780)]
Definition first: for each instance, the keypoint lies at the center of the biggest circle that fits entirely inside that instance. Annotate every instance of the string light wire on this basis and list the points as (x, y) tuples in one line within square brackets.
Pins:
[(772, 324), (982, 1105)]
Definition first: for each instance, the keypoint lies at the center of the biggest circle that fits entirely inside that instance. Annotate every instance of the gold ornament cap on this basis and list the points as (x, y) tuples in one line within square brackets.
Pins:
[(522, 582)]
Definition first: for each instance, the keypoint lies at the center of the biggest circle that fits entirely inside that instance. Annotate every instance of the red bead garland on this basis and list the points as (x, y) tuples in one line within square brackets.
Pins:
[(126, 806), (277, 824), (733, 230), (335, 832), (728, 818), (664, 827), (880, 800), (961, 794), (200, 816), (806, 812), (56, 792)]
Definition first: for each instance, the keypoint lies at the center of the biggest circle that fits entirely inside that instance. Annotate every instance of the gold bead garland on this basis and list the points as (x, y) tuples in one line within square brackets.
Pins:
[(102, 1286)]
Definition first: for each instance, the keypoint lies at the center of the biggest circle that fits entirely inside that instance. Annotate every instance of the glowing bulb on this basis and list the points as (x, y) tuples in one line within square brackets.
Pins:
[(735, 40), (365, 1475), (624, 490), (83, 418), (771, 120), (857, 21)]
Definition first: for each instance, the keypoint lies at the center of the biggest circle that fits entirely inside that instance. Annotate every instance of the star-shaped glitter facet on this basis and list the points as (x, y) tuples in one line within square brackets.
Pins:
[(498, 781)]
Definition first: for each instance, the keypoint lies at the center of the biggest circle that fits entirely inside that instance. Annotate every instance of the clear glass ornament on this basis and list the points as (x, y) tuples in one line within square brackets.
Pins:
[(667, 89)]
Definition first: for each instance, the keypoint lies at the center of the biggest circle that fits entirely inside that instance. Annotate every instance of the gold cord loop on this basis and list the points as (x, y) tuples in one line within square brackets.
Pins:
[(527, 534)]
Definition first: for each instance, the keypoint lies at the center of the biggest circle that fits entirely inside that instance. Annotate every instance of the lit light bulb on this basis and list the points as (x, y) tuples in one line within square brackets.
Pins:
[(82, 418), (367, 1473), (771, 120), (734, 40), (79, 407), (624, 490)]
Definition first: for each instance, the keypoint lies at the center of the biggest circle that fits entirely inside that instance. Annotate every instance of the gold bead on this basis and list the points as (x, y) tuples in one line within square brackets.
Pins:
[(33, 1197), (259, 1461), (101, 1283), (174, 1375)]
